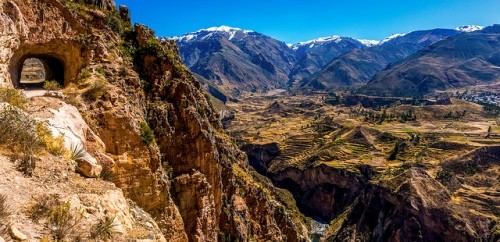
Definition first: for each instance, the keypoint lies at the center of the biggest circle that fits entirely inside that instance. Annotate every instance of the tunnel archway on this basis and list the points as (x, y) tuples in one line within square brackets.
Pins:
[(61, 59), (35, 70)]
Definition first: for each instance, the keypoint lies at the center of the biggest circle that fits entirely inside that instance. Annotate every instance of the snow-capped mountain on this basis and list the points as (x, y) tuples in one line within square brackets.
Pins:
[(236, 60), (203, 34), (469, 28), (391, 37), (312, 43), (368, 42), (314, 54), (467, 59), (334, 38), (358, 66)]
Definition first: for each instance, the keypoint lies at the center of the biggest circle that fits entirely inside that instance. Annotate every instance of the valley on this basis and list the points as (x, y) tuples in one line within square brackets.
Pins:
[(332, 157)]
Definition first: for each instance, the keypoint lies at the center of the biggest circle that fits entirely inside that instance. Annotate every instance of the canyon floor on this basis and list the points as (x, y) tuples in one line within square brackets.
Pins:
[(453, 145)]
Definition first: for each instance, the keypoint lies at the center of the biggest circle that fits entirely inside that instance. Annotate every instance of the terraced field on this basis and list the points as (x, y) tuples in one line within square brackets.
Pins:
[(374, 146)]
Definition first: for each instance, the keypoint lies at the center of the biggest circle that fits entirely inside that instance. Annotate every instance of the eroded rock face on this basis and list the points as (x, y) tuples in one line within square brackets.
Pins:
[(412, 206), (189, 137)]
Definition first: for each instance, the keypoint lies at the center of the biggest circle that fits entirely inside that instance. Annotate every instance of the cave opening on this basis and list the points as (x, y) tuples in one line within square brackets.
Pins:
[(35, 70)]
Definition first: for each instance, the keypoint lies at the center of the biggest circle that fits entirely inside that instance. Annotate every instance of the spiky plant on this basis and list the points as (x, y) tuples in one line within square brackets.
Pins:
[(78, 152), (104, 229), (62, 221)]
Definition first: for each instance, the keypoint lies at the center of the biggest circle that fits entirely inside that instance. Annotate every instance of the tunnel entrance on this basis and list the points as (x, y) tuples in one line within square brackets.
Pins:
[(36, 70), (61, 59)]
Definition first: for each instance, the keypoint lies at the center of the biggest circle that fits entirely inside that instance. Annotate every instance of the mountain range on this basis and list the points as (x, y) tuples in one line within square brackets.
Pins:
[(230, 61), (464, 60)]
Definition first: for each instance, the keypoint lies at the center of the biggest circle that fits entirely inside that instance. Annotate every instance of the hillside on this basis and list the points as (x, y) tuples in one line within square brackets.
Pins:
[(358, 66), (314, 54), (237, 60), (465, 60)]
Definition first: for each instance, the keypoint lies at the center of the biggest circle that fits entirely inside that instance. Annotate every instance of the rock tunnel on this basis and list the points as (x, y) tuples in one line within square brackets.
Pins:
[(37, 69), (57, 60)]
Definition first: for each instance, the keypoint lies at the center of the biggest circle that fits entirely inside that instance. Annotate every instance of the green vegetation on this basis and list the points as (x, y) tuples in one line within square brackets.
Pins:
[(444, 176), (455, 115), (114, 22), (167, 168), (470, 168), (18, 131), (398, 147), (104, 229), (12, 96), (51, 85), (380, 117), (62, 221), (491, 110), (96, 90), (100, 70), (85, 74), (147, 133), (78, 152)]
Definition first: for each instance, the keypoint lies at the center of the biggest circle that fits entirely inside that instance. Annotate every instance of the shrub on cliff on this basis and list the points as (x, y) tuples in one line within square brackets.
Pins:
[(51, 85), (12, 96), (104, 229), (18, 130), (62, 221), (96, 90), (147, 133)]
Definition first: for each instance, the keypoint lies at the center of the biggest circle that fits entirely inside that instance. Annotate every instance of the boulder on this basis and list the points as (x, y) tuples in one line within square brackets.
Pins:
[(89, 167), (16, 234), (65, 120)]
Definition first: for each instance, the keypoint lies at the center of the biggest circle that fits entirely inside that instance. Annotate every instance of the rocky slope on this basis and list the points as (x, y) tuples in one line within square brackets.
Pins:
[(467, 59), (237, 60), (358, 66), (314, 54), (155, 131)]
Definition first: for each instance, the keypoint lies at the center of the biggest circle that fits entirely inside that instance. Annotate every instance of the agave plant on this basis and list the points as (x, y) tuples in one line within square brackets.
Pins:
[(78, 152)]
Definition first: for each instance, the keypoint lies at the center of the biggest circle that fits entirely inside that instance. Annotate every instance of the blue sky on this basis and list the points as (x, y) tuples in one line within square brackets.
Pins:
[(293, 21)]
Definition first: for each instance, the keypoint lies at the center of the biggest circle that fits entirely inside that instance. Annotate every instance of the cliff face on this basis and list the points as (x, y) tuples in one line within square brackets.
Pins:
[(155, 129)]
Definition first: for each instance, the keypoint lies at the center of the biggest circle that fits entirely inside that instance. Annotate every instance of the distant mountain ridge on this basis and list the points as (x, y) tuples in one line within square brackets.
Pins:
[(358, 66), (235, 60), (467, 59)]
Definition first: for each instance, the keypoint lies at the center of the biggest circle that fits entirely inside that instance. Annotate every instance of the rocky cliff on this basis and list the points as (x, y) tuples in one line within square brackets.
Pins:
[(151, 127)]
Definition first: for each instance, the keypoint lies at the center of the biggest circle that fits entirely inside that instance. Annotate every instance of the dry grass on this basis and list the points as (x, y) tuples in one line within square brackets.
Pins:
[(18, 131), (4, 209), (54, 145), (98, 87), (14, 97)]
